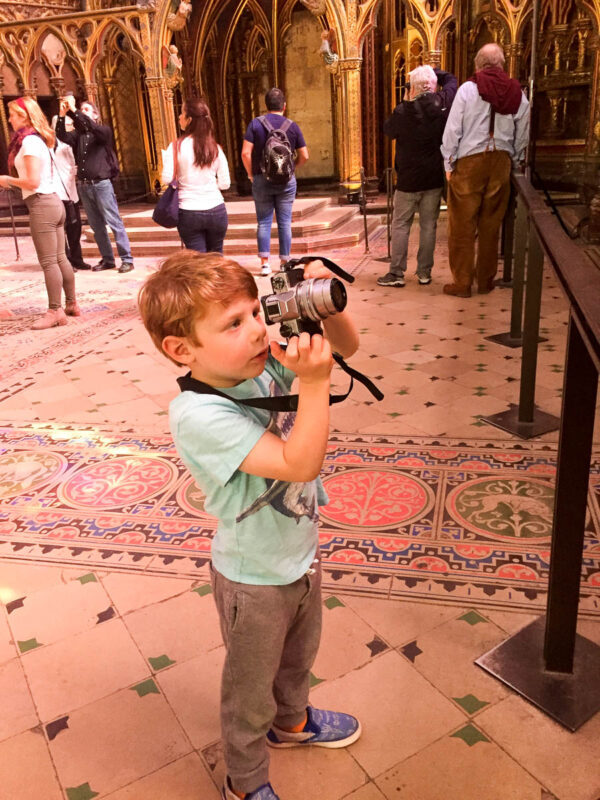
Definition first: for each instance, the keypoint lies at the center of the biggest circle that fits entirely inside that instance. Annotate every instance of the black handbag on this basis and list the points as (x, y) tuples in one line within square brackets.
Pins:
[(166, 213), (72, 216)]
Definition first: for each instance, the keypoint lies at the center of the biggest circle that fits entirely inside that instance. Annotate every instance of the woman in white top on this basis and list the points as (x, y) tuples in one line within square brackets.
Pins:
[(29, 154), (202, 172)]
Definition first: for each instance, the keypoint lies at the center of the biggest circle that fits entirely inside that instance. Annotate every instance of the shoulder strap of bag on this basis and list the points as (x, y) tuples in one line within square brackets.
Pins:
[(59, 175), (175, 160), (266, 124), (287, 123)]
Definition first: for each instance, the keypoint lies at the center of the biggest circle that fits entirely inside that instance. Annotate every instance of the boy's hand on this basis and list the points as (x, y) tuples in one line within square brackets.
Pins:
[(308, 356), (316, 269)]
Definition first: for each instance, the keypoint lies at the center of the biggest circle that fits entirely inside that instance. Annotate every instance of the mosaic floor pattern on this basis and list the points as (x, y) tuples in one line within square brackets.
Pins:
[(429, 519)]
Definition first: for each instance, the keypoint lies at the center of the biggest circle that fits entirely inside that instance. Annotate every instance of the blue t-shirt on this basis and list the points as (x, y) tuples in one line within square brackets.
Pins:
[(267, 532), (257, 134)]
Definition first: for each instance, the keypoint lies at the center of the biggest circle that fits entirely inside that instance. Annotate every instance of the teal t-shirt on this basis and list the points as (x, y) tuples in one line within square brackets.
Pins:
[(267, 532)]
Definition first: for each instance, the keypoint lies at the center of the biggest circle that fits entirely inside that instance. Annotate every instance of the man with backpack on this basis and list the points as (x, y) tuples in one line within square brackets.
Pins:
[(97, 165), (273, 149)]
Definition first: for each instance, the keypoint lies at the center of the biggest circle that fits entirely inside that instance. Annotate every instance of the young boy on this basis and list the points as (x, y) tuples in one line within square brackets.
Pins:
[(259, 470)]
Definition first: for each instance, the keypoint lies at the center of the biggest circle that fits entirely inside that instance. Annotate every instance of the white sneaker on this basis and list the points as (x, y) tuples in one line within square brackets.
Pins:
[(265, 270)]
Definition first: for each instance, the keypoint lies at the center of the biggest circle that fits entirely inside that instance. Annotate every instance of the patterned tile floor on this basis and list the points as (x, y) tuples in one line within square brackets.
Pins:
[(109, 670)]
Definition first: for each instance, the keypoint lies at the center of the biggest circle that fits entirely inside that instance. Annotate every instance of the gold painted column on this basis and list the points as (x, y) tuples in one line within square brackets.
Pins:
[(348, 85), (513, 56), (91, 90), (162, 118)]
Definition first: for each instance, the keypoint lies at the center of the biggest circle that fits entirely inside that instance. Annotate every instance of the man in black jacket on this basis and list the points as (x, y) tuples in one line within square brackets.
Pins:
[(97, 164), (417, 125)]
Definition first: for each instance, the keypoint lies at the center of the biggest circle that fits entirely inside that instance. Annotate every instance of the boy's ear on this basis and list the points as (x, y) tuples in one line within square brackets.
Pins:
[(178, 348)]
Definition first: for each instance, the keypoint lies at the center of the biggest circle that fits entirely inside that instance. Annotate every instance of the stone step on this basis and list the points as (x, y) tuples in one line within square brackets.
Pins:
[(239, 211), (347, 235), (324, 220)]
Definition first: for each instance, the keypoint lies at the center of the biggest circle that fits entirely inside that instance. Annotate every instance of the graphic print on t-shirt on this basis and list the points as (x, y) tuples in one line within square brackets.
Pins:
[(295, 500)]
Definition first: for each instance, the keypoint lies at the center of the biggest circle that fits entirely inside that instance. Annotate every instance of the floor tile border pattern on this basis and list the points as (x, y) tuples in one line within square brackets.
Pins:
[(167, 533)]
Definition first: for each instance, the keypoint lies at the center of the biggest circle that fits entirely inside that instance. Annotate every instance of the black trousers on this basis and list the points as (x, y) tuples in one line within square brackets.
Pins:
[(73, 237)]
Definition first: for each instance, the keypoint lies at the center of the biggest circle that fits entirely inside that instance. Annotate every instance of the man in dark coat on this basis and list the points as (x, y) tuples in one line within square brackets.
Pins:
[(97, 164), (417, 125)]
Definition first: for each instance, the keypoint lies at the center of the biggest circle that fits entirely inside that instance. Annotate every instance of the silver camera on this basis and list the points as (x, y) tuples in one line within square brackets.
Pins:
[(298, 304)]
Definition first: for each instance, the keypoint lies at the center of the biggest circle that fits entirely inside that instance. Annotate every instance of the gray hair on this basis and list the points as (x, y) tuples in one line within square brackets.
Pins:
[(490, 55), (422, 79)]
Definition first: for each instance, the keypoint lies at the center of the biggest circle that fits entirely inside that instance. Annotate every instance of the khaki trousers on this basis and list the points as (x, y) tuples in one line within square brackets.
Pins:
[(46, 223), (478, 194)]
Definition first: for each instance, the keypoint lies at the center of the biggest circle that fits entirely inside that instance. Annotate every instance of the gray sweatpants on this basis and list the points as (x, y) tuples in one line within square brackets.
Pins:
[(271, 634), (46, 222)]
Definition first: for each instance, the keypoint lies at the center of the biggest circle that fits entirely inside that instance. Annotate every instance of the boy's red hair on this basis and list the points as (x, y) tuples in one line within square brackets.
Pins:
[(180, 292)]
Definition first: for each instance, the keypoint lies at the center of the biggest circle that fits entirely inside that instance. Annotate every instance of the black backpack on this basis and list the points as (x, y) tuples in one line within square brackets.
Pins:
[(278, 157)]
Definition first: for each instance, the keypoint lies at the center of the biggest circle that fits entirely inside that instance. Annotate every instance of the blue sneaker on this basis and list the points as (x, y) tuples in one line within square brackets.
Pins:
[(264, 792), (323, 729)]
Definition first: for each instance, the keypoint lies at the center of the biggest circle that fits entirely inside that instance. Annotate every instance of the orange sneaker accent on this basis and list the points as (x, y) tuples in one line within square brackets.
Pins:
[(52, 318)]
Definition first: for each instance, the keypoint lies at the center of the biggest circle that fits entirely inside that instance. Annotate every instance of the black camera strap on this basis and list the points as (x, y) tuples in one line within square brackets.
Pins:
[(331, 265), (288, 402)]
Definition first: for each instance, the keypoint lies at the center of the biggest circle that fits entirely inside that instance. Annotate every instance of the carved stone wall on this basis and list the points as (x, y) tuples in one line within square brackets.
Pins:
[(308, 93)]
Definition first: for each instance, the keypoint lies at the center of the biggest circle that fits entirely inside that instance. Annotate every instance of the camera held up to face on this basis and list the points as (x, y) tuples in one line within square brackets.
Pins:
[(298, 304)]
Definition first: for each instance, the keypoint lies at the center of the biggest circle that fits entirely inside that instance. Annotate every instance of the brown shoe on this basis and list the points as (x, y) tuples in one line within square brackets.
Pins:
[(457, 291), (487, 287), (52, 318), (72, 309)]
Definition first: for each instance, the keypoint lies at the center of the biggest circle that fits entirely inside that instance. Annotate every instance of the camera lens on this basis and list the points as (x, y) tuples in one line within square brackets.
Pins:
[(320, 298), (339, 298)]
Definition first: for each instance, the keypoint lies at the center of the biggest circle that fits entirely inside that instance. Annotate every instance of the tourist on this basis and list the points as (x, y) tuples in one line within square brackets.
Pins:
[(29, 154), (259, 471), (202, 174), (417, 125), (270, 196), (485, 137), (97, 165)]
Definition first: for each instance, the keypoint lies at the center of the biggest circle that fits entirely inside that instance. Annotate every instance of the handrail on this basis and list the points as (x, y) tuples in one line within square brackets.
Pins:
[(573, 268)]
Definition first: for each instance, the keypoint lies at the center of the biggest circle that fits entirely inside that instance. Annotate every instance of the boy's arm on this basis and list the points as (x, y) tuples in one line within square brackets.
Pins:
[(300, 457), (339, 329)]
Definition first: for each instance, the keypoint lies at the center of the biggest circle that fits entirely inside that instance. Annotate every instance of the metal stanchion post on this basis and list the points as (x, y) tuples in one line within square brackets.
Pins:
[(363, 206), (505, 282), (525, 420), (565, 681), (388, 212)]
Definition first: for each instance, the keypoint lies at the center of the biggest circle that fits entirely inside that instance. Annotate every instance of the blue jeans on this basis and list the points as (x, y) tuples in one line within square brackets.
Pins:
[(203, 231), (101, 209), (405, 205), (268, 199)]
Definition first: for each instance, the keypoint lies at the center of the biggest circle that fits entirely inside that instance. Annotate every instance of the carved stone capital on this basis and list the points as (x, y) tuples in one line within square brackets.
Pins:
[(350, 64)]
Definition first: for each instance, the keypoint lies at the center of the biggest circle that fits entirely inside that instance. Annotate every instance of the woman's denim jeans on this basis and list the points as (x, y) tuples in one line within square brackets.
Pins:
[(203, 231), (269, 198)]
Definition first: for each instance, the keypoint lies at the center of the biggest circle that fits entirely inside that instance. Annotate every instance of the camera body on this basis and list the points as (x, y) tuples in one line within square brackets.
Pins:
[(298, 304)]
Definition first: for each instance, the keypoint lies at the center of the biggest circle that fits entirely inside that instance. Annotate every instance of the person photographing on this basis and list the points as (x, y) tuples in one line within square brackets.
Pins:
[(97, 165)]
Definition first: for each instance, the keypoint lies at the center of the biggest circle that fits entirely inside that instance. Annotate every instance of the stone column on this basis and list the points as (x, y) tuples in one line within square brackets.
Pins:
[(434, 58), (91, 91), (348, 95), (513, 56), (58, 85), (162, 118), (3, 118)]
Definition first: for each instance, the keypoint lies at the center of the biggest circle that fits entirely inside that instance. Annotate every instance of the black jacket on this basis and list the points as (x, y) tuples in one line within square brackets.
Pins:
[(418, 127), (92, 146)]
